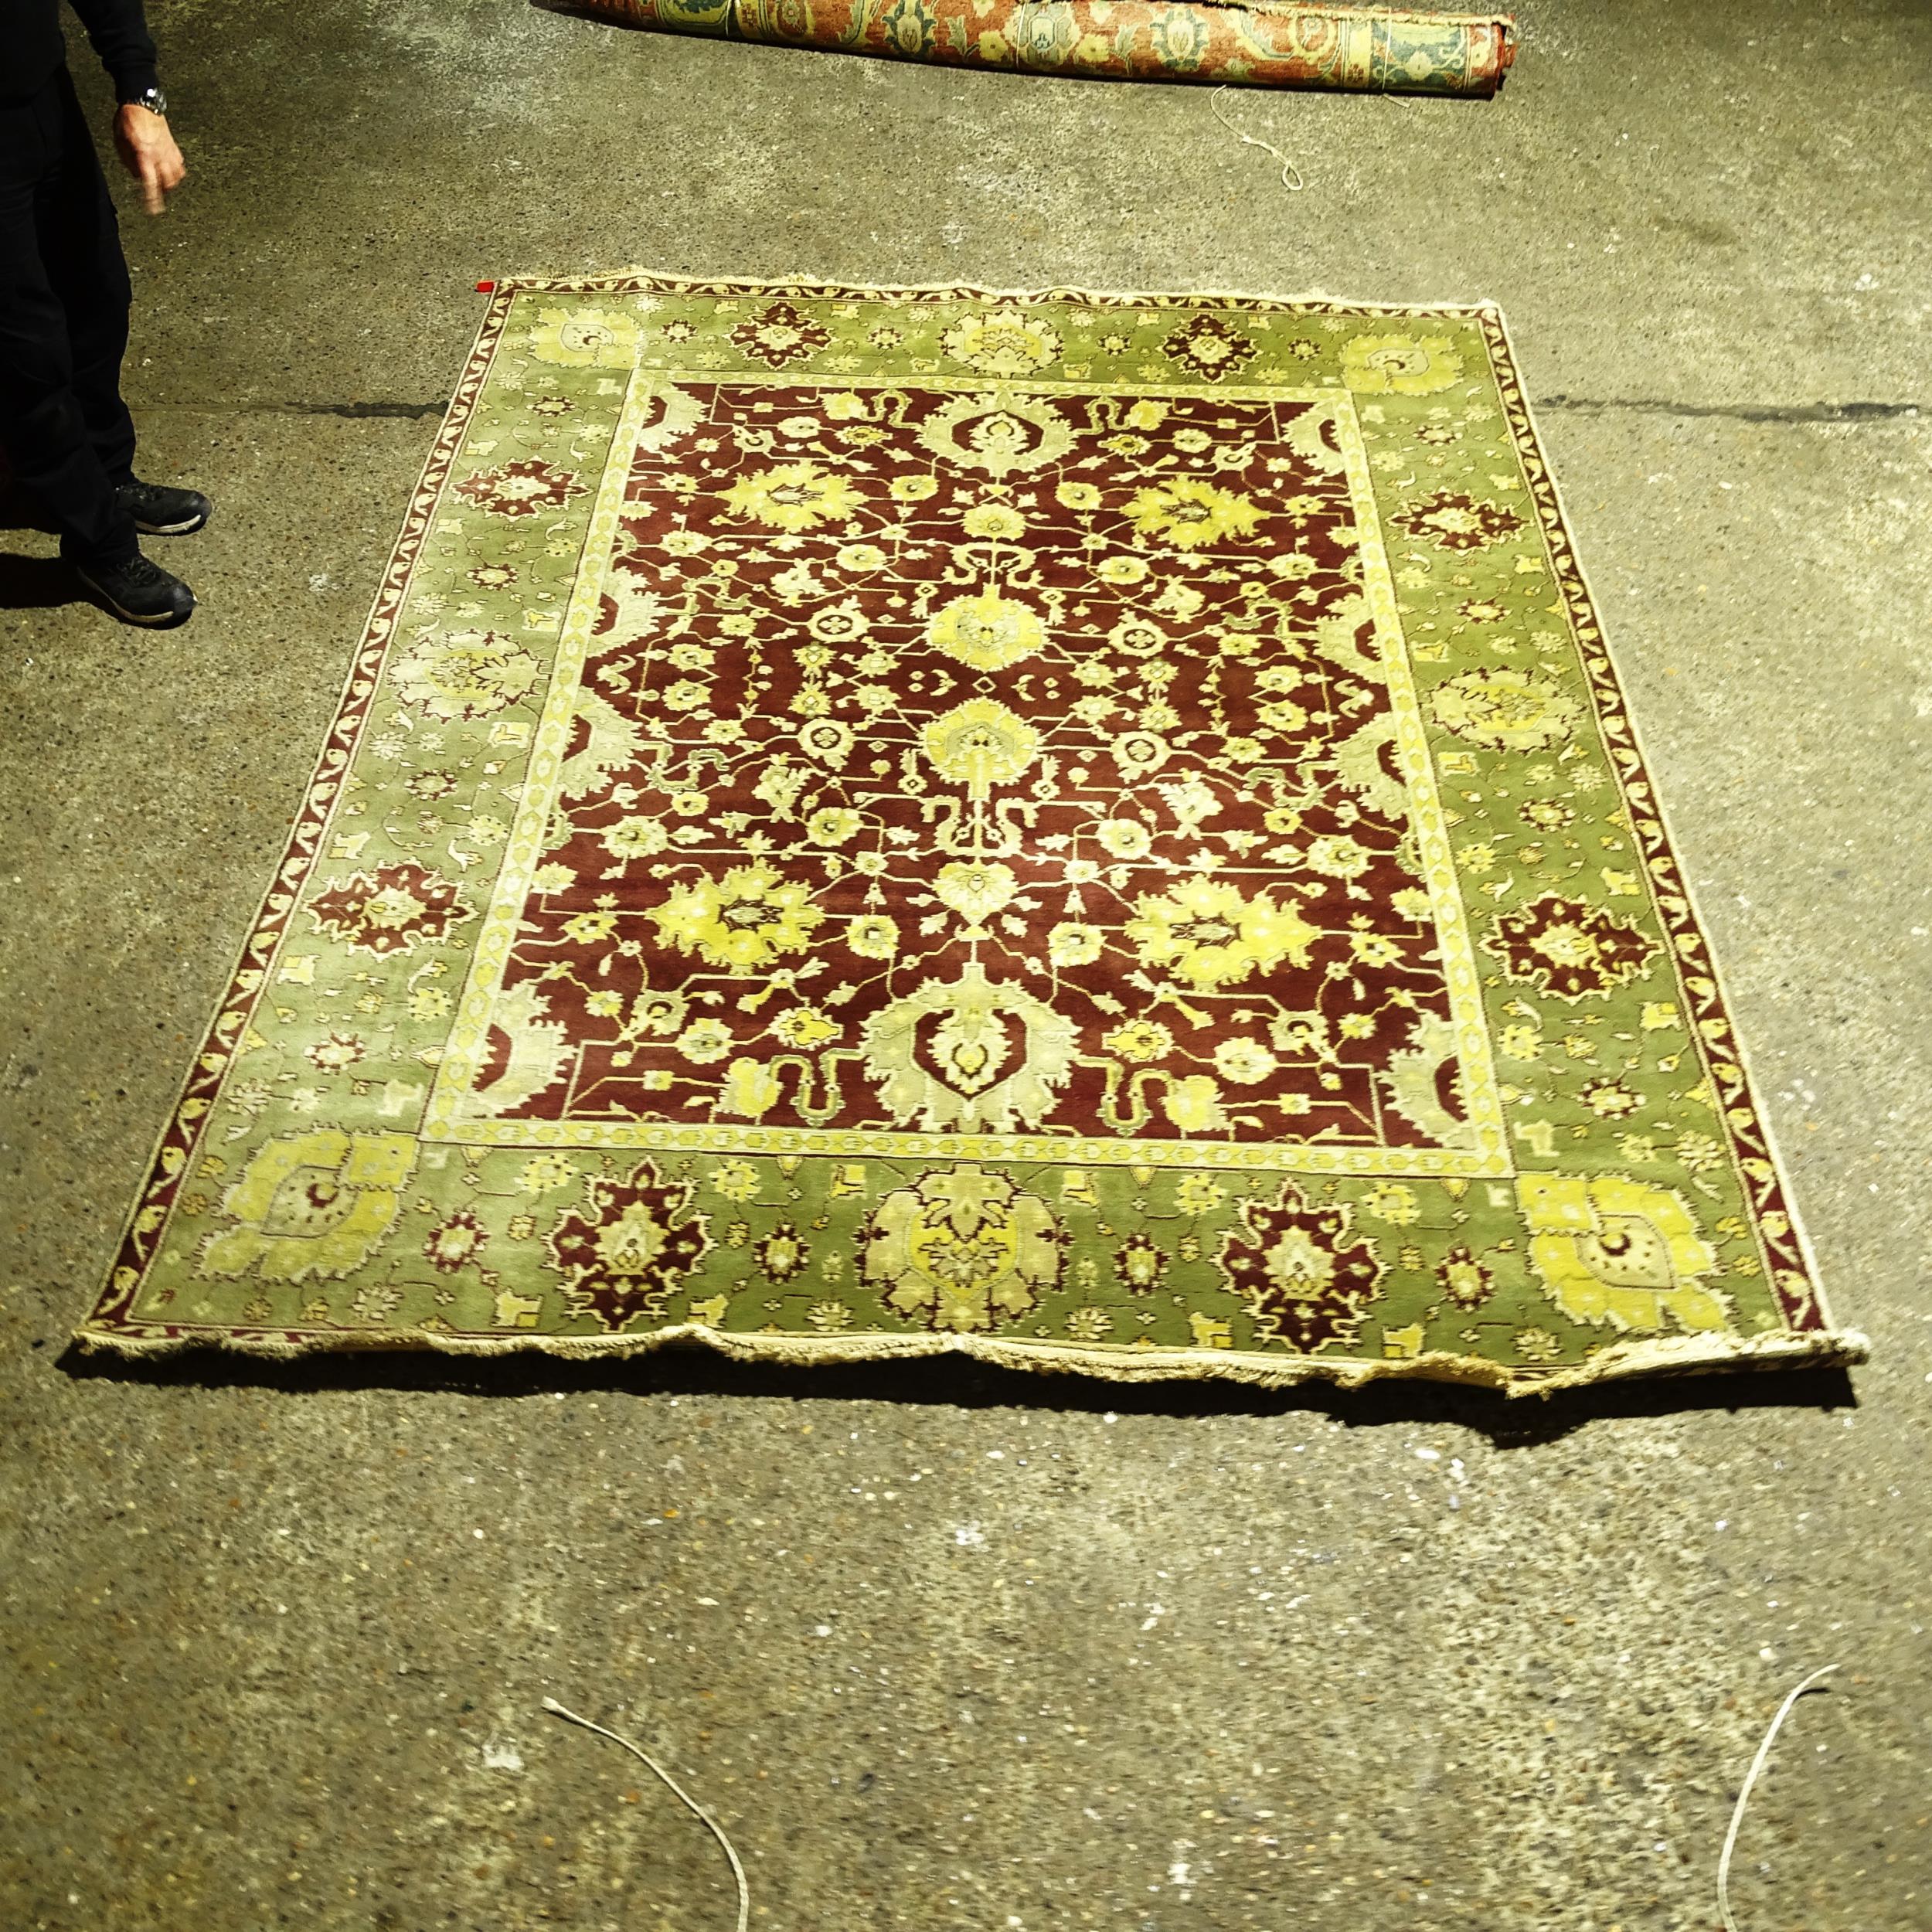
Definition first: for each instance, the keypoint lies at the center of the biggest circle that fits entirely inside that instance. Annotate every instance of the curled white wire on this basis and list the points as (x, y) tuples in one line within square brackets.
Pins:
[(1289, 168), (690, 1803), (1743, 1797)]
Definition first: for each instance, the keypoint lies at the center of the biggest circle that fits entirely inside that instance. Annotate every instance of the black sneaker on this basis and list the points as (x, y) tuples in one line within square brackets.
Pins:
[(139, 592), (160, 511)]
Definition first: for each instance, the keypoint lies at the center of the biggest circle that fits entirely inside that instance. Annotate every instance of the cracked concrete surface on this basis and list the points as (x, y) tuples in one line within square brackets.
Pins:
[(943, 1647), (1742, 412)]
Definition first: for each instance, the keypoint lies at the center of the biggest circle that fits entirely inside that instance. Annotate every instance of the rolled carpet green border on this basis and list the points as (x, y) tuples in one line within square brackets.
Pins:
[(1380, 50)]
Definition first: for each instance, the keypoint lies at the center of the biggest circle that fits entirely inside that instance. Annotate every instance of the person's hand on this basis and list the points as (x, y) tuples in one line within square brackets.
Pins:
[(147, 151)]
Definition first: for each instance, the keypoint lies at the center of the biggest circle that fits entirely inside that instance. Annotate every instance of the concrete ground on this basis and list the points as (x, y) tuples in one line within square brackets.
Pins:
[(947, 1649)]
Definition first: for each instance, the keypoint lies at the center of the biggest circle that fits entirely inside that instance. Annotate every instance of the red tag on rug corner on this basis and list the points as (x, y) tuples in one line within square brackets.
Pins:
[(486, 288)]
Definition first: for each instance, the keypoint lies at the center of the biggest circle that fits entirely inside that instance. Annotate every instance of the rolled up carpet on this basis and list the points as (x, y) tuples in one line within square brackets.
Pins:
[(1382, 50)]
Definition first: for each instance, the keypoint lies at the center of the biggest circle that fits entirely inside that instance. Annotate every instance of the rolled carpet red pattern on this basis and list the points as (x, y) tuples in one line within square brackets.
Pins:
[(1380, 50)]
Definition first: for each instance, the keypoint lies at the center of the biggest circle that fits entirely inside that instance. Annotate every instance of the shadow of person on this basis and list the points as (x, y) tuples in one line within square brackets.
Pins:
[(19, 510), (31, 582), (37, 583)]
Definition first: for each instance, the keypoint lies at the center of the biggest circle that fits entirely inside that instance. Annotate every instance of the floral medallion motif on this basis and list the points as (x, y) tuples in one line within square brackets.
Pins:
[(1464, 1279), (390, 910), (1509, 710), (976, 889), (793, 497), (1400, 364), (1571, 949), (987, 631), (1453, 521), (1003, 342), (972, 1056), (982, 744), (335, 1053), (315, 1204), (582, 339), (454, 1243), (780, 334), (1209, 348), (1305, 1282), (460, 674), (998, 434), (1190, 514), (629, 1248), (1141, 1263), (963, 1248), (739, 923), (1213, 935), (1616, 1253), (782, 1255), (526, 488)]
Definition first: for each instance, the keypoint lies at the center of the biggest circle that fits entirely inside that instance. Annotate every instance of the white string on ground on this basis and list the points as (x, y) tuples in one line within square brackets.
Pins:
[(690, 1803), (1744, 1796), (1289, 168)]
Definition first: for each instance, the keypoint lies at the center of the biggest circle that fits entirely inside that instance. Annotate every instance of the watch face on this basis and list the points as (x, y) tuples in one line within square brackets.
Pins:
[(154, 100)]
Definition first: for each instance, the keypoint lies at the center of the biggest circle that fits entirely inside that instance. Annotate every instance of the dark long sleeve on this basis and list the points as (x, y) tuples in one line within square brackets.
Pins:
[(32, 49), (121, 37)]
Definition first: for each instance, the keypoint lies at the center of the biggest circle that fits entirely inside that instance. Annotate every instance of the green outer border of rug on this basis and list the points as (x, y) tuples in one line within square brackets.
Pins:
[(1827, 1345)]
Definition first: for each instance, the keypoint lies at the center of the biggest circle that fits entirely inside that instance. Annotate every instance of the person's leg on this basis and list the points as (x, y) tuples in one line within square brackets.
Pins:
[(74, 456), (80, 243), (43, 423)]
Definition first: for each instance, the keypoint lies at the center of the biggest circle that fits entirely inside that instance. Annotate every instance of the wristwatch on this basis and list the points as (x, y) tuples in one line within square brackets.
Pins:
[(152, 98)]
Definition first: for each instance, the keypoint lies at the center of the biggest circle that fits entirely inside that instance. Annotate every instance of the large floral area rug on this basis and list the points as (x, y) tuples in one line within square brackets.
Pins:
[(1096, 831)]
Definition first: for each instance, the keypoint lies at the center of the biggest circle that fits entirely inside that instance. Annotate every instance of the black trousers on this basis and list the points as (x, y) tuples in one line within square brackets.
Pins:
[(64, 297)]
